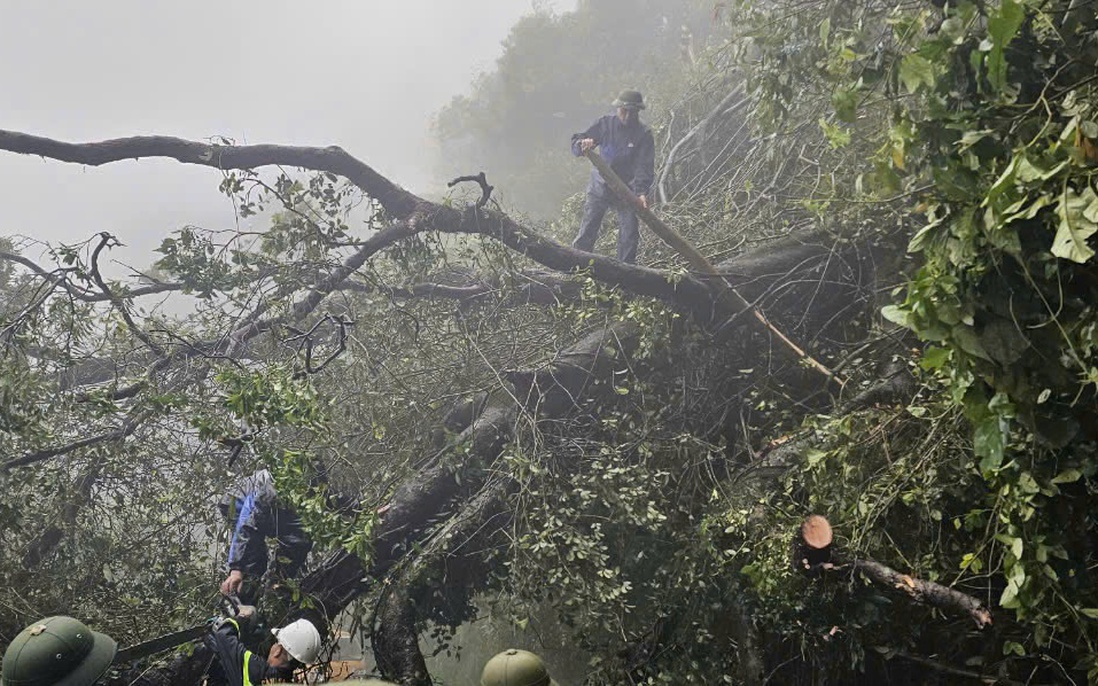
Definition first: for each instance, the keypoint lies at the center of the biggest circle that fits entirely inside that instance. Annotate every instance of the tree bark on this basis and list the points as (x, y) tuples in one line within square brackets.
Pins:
[(923, 591)]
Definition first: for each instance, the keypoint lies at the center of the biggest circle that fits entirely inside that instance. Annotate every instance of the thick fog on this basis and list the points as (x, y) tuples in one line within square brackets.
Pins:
[(364, 75)]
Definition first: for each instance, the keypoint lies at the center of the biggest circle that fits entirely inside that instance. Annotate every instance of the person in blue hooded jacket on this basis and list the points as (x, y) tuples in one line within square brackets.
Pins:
[(628, 146), (257, 513)]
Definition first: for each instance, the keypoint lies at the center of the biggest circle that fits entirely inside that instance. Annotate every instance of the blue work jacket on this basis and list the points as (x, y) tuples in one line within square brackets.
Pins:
[(238, 666), (630, 151)]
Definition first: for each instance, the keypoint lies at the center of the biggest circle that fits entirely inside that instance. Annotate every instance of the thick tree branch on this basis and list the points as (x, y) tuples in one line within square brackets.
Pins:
[(394, 199), (396, 638), (397, 201), (684, 292), (923, 591)]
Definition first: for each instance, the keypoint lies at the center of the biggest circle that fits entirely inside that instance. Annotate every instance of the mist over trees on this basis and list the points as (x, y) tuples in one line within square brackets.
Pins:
[(873, 463), (557, 74)]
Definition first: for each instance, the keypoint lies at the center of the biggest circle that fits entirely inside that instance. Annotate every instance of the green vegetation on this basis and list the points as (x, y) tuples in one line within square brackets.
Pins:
[(905, 190)]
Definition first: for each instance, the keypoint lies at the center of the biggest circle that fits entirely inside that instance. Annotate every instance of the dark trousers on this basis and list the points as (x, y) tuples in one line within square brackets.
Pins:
[(599, 200)]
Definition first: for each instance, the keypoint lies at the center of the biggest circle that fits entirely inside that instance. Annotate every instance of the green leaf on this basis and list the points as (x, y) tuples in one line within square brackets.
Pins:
[(987, 443), (845, 102), (837, 136), (918, 241), (1029, 211), (1067, 476), (1003, 183), (897, 315), (1091, 612), (953, 29), (1001, 28), (971, 138), (916, 70), (1077, 223), (966, 339), (935, 358), (1028, 171)]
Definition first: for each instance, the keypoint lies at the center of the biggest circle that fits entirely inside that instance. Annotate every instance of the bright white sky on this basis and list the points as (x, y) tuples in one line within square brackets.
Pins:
[(364, 74)]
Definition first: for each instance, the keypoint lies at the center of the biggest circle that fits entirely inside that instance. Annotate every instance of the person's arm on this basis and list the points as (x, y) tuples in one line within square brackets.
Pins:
[(247, 549), (253, 525), (229, 652), (582, 142), (644, 171)]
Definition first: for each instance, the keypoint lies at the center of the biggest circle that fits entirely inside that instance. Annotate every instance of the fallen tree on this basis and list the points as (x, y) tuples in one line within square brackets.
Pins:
[(446, 502)]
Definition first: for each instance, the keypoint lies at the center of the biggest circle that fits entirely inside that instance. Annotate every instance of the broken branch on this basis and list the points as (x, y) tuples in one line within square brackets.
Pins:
[(816, 535), (482, 180)]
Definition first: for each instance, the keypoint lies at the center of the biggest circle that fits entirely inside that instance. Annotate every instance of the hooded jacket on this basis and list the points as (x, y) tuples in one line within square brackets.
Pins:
[(256, 514)]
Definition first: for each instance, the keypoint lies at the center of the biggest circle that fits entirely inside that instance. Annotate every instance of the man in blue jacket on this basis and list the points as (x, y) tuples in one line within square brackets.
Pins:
[(257, 514), (627, 145)]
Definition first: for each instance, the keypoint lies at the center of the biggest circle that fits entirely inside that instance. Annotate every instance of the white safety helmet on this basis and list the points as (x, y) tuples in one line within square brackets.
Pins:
[(300, 639)]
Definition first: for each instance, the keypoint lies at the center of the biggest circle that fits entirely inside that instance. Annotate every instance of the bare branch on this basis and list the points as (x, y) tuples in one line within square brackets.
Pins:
[(83, 294), (485, 189), (106, 240), (308, 342), (701, 125)]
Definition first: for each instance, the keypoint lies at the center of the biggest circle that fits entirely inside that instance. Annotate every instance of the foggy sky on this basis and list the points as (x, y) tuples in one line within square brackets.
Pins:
[(362, 74)]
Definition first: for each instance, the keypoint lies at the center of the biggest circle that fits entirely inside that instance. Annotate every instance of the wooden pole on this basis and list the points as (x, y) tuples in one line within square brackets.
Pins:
[(730, 296)]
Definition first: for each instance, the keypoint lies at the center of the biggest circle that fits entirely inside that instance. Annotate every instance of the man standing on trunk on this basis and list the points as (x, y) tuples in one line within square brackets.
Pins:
[(627, 145)]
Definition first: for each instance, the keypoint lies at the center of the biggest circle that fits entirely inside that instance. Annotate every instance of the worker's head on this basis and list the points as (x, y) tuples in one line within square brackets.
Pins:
[(297, 643), (515, 667), (629, 105), (57, 651)]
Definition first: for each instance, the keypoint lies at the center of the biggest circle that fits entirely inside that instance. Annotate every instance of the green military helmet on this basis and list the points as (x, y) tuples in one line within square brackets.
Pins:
[(630, 99), (57, 651), (515, 667)]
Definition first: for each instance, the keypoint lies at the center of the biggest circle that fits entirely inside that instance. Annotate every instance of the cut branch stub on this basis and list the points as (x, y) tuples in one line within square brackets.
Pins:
[(816, 532), (812, 547)]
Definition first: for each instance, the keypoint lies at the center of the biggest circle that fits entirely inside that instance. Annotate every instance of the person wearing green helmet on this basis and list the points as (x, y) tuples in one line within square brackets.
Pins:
[(514, 667), (630, 150), (57, 651)]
